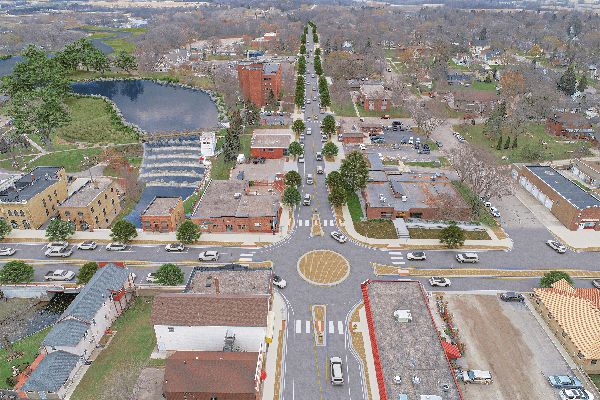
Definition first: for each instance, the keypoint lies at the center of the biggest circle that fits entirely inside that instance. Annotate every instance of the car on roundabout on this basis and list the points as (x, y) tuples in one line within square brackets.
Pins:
[(279, 282), (557, 246), (338, 236)]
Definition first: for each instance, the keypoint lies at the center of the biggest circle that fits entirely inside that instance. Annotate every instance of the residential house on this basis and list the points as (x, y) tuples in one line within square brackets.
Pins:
[(567, 201), (462, 59), (588, 171), (271, 143), (28, 200), (257, 81), (351, 133), (92, 204), (226, 206), (348, 47), (78, 331), (456, 77), (375, 98), (477, 46), (163, 214), (572, 125), (210, 322), (213, 375), (266, 38), (172, 60), (479, 101), (573, 314), (494, 57)]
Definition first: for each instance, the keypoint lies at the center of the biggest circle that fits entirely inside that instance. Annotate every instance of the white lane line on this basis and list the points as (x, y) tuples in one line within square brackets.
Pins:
[(298, 326), (332, 222), (397, 258), (398, 263), (247, 255), (307, 326), (340, 327), (299, 222), (399, 253), (245, 259), (324, 222), (331, 330), (306, 222)]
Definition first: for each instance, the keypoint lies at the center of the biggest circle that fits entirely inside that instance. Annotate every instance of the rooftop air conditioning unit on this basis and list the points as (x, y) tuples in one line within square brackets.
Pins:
[(237, 195), (403, 198)]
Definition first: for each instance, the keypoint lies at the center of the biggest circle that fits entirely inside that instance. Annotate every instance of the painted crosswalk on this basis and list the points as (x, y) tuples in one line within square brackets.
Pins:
[(325, 222), (319, 326), (246, 257), (396, 256)]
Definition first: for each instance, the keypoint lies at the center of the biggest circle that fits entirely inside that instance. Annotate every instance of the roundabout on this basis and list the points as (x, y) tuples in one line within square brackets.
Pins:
[(323, 267)]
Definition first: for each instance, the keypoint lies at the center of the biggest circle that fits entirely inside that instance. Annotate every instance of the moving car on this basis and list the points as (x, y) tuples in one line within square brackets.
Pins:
[(7, 251), (439, 281), (309, 131), (116, 246), (57, 252), (58, 245), (175, 247), (467, 257), (151, 277), (309, 179), (320, 169), (512, 296), (556, 245), (564, 381), (337, 374), (576, 394), (87, 245), (306, 201), (279, 282), (338, 236), (319, 156), (208, 256), (416, 256)]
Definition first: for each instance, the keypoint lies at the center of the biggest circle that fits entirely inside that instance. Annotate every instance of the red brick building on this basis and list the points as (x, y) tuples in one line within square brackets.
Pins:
[(568, 202), (271, 143), (163, 214), (374, 97), (226, 206), (570, 125), (351, 133), (258, 79)]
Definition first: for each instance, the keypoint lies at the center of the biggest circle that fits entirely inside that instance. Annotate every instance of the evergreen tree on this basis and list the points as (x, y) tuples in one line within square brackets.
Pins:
[(582, 84), (568, 82), (499, 145), (514, 145), (507, 143)]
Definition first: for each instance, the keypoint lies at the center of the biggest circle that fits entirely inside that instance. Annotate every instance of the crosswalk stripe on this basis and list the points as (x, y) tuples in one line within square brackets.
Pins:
[(247, 255), (245, 259), (398, 263), (299, 222), (306, 222), (399, 253), (333, 222), (340, 328), (397, 258), (331, 327), (324, 222), (298, 326), (307, 326)]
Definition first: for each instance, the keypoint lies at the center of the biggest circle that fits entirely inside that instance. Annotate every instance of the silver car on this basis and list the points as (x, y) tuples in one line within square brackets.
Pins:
[(87, 245), (116, 246), (208, 256)]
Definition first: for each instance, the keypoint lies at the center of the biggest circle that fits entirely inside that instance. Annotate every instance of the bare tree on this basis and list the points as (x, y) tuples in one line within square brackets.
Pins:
[(424, 117), (448, 207)]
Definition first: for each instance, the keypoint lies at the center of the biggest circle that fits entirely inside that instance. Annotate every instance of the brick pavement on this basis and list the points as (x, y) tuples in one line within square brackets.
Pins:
[(323, 267)]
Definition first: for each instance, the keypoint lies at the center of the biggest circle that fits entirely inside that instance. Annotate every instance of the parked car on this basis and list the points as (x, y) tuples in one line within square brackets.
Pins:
[(87, 245), (58, 245), (116, 246), (596, 283), (301, 158), (416, 256), (320, 169), (404, 140), (411, 140), (337, 374), (59, 275), (467, 257), (175, 247), (307, 199), (439, 281), (362, 147), (511, 296), (151, 277), (57, 252), (495, 214), (7, 251), (279, 282), (556, 245), (576, 394), (338, 236), (477, 376), (208, 256), (309, 179), (439, 144), (565, 381), (319, 156)]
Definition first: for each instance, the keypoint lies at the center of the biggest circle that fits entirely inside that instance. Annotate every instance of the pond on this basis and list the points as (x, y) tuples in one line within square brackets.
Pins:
[(156, 107)]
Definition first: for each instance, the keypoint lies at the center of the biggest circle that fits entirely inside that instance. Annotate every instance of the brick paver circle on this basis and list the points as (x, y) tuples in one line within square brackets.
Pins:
[(323, 267)]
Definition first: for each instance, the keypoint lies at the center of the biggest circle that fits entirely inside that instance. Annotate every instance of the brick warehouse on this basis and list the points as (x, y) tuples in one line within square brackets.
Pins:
[(257, 79), (226, 207), (163, 214), (569, 203), (271, 143)]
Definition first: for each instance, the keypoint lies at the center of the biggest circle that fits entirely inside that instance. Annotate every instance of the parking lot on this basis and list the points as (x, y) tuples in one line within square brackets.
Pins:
[(505, 339), (259, 172)]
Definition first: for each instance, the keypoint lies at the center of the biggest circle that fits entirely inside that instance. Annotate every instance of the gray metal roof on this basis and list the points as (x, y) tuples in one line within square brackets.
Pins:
[(564, 187), (30, 184), (376, 164), (52, 372), (66, 333), (106, 280), (270, 68)]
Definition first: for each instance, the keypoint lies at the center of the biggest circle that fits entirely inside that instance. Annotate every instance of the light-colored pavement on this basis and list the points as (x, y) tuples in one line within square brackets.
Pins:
[(275, 356)]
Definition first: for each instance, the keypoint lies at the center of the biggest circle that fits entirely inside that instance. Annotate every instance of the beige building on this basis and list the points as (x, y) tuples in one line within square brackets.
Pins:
[(28, 200), (94, 204)]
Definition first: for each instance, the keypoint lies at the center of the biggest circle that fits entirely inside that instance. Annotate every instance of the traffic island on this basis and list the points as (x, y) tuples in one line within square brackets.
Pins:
[(319, 314), (323, 268), (316, 228)]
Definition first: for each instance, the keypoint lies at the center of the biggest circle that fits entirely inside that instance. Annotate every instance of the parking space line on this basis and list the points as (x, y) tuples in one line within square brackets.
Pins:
[(298, 326)]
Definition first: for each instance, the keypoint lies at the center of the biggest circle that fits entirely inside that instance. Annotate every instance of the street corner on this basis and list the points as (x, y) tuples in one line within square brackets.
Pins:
[(323, 267)]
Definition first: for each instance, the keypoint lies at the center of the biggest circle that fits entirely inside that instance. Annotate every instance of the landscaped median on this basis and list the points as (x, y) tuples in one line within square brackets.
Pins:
[(386, 270)]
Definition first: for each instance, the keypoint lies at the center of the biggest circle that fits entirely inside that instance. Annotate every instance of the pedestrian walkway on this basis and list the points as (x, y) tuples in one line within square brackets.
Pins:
[(276, 351), (306, 327)]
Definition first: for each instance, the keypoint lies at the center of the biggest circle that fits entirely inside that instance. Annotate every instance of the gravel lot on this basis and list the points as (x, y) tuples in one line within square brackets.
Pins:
[(505, 339), (149, 384)]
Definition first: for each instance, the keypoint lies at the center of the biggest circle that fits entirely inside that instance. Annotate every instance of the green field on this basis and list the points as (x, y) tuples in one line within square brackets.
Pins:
[(70, 160), (343, 110), (29, 345), (117, 44), (220, 169), (354, 207)]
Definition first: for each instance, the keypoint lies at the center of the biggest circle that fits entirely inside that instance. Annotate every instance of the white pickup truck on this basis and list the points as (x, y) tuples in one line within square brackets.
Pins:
[(59, 275)]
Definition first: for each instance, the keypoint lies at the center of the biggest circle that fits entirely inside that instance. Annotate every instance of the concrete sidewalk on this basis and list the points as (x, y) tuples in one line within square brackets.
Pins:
[(275, 355)]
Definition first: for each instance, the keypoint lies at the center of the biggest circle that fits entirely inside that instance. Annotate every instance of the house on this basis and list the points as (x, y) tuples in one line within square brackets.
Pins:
[(348, 47), (28, 200), (410, 195), (91, 204), (573, 314), (172, 60), (588, 171), (456, 77), (226, 206), (567, 201), (351, 133), (374, 98), (266, 38), (271, 143), (480, 101), (420, 354), (163, 214), (257, 81), (78, 331), (572, 125), (462, 59), (213, 375), (210, 322), (477, 46)]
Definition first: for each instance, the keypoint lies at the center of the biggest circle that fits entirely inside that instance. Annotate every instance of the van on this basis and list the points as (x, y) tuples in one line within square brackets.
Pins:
[(309, 131), (477, 376), (309, 179)]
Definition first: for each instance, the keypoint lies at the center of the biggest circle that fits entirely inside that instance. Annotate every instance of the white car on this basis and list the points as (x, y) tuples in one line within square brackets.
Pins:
[(488, 204), (338, 236), (7, 251), (57, 252), (87, 245), (467, 257), (558, 246), (116, 246), (175, 247), (208, 256), (576, 394), (416, 256), (279, 282), (439, 281), (337, 374), (300, 159), (151, 277), (58, 245)]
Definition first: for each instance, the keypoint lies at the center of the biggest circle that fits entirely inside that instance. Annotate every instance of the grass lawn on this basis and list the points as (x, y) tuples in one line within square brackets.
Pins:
[(419, 233), (428, 164), (596, 380), (454, 65), (7, 162), (395, 112), (484, 216), (119, 45), (220, 169), (71, 160), (101, 35), (484, 86), (354, 207), (135, 31), (376, 228), (344, 110), (188, 205), (29, 346), (128, 351), (535, 133), (92, 122)]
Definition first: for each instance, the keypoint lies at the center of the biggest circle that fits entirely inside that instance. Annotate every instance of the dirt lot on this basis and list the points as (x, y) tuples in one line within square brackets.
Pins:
[(149, 384), (259, 172), (505, 339)]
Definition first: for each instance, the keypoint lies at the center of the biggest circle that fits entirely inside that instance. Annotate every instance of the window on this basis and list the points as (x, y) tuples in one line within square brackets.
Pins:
[(49, 198), (111, 190), (44, 202), (9, 213), (21, 213), (52, 207), (92, 210), (104, 211), (564, 334), (68, 214), (96, 218), (147, 225), (171, 329)]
